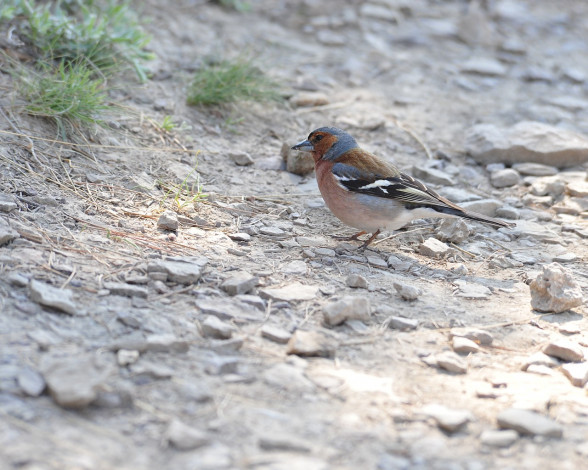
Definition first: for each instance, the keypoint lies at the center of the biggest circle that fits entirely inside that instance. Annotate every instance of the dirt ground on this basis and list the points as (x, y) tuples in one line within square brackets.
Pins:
[(140, 346)]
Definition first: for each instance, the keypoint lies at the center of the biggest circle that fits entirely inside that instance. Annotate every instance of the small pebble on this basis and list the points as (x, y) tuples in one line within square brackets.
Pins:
[(356, 281)]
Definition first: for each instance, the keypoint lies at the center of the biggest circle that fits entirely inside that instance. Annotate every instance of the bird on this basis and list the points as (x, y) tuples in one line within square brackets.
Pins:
[(370, 194)]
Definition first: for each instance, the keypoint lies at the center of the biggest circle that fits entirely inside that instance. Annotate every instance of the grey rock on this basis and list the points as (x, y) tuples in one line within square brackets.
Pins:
[(478, 336), (330, 38), (463, 345), (499, 438), (7, 233), (292, 292), (401, 323), (288, 377), (483, 206), (448, 419), (526, 142), (17, 279), (214, 327), (241, 158), (275, 334), (273, 231), (376, 261), (226, 346), (222, 365), (484, 66), (229, 309), (534, 231), (168, 221), (125, 357), (299, 163), (453, 230), (433, 248), (508, 212), (184, 437), (505, 178), (49, 296), (239, 283), (7, 203), (535, 169), (548, 186), (379, 12), (311, 241), (540, 370), (407, 291), (240, 237), (126, 290), (432, 175), (348, 308), (578, 188), (311, 343), (73, 381), (356, 281), (564, 350), (295, 267), (166, 342), (451, 362), (30, 382), (555, 290), (529, 423), (469, 290), (285, 443), (577, 373), (152, 370), (187, 270)]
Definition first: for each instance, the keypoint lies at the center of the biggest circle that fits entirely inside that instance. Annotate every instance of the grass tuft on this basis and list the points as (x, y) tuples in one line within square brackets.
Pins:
[(231, 81), (68, 95)]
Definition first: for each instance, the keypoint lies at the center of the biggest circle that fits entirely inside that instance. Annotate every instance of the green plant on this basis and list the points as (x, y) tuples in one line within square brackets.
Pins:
[(185, 193), (67, 95), (231, 81), (105, 34)]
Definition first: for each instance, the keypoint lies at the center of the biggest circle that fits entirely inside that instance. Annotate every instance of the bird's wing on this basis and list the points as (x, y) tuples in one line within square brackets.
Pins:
[(388, 182)]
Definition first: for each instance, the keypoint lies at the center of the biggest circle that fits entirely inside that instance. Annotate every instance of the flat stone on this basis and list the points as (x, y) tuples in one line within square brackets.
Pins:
[(407, 291), (30, 382), (505, 178), (433, 248), (240, 237), (186, 270), (275, 334), (469, 290), (311, 343), (168, 221), (540, 370), (126, 290), (241, 158), (356, 281), (484, 66), (499, 438), (290, 293), (567, 257), (448, 419), (348, 308), (401, 323), (548, 186), (535, 169), (432, 175), (73, 381), (577, 373), (239, 283), (451, 362), (285, 443), (555, 290), (17, 279), (214, 327), (476, 335), (295, 267), (166, 342), (483, 206), (49, 296), (229, 309), (578, 188), (376, 261), (288, 377), (453, 230), (7, 203), (308, 98), (463, 345), (564, 350), (526, 142), (184, 437), (7, 233), (311, 241), (379, 12), (529, 423)]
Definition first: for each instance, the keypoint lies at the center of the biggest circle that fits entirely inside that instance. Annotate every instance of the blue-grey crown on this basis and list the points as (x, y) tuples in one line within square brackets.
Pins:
[(344, 142)]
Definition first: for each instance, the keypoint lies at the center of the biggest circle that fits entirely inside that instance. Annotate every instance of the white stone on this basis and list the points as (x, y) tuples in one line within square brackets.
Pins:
[(555, 290)]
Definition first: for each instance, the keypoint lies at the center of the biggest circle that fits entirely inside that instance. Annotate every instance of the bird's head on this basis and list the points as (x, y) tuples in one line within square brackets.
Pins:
[(327, 143)]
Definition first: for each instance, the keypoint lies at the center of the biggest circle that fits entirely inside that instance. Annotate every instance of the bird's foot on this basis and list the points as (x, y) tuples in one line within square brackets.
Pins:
[(365, 244), (349, 238)]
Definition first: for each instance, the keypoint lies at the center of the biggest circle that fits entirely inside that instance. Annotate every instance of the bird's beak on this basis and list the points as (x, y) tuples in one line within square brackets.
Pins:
[(304, 146)]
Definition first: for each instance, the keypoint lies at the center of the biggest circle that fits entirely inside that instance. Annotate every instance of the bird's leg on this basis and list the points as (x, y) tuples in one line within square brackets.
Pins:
[(369, 240), (352, 237)]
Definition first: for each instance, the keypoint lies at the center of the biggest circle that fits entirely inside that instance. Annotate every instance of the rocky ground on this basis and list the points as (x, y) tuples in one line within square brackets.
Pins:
[(237, 332)]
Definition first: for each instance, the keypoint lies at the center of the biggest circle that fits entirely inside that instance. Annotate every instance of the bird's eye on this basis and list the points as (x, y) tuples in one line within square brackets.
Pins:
[(318, 138)]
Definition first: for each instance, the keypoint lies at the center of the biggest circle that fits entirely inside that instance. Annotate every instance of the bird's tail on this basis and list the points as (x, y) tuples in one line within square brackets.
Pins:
[(480, 218)]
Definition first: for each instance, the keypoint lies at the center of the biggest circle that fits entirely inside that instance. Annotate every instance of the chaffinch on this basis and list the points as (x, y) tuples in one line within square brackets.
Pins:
[(370, 194)]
